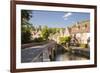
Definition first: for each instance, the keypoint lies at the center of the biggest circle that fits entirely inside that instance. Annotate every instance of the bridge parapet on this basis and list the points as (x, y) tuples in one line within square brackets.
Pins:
[(38, 53)]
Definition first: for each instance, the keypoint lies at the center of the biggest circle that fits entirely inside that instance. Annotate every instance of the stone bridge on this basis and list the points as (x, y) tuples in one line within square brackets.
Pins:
[(42, 53)]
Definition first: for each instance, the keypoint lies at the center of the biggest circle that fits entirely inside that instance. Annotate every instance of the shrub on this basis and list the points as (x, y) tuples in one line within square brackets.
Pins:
[(25, 36), (64, 40), (84, 45), (40, 39), (45, 33)]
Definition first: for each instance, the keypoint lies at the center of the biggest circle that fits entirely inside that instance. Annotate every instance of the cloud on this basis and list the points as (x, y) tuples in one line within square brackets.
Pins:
[(67, 15)]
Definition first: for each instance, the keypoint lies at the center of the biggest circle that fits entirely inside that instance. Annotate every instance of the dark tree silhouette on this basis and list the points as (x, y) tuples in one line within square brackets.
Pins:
[(26, 27), (26, 14)]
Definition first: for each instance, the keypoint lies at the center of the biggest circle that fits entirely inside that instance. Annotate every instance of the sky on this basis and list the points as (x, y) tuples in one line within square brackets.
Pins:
[(57, 19)]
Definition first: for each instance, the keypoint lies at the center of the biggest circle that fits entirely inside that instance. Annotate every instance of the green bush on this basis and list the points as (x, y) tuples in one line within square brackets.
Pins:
[(64, 40), (40, 39), (45, 33), (25, 36), (84, 45)]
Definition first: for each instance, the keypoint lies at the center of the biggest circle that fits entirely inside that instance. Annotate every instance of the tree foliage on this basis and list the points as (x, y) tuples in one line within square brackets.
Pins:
[(54, 30), (25, 36), (64, 40), (45, 33), (26, 14), (26, 27)]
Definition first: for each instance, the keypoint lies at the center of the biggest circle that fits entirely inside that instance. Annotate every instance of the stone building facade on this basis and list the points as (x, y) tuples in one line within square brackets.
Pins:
[(81, 31)]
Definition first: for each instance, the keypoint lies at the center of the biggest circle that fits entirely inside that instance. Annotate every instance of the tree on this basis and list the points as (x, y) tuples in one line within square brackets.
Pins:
[(39, 28), (26, 32), (26, 27), (64, 40), (54, 30), (26, 14), (25, 36), (45, 33)]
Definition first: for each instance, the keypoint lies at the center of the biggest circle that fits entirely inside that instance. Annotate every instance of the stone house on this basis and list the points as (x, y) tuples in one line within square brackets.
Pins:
[(81, 31)]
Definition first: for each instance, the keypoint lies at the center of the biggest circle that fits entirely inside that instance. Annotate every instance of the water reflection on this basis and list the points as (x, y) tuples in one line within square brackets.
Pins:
[(61, 54), (66, 56)]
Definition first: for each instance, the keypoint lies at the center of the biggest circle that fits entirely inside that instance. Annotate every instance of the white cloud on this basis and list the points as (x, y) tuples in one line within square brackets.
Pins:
[(67, 15)]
